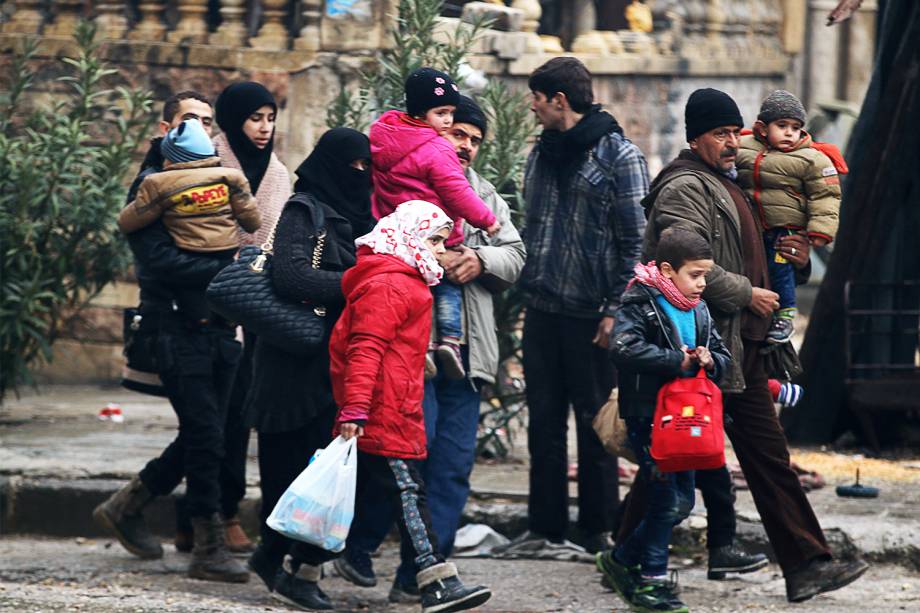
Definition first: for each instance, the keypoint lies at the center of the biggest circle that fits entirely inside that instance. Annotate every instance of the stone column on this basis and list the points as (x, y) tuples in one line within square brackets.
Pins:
[(715, 27), (150, 26), (532, 13), (27, 17), (860, 51), (193, 22), (112, 20), (585, 37), (273, 35), (694, 44), (66, 17), (822, 62), (232, 31), (311, 11)]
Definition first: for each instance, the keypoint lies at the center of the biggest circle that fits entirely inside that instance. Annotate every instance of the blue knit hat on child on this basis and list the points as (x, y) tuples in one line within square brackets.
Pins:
[(187, 142)]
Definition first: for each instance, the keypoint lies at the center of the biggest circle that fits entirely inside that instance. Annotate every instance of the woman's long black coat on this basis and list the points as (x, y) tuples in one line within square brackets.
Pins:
[(288, 392)]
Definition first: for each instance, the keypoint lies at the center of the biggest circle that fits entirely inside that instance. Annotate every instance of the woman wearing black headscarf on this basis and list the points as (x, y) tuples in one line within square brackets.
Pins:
[(246, 113), (290, 402)]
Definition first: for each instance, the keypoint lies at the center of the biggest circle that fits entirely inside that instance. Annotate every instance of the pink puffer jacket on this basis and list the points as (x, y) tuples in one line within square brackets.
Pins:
[(411, 161)]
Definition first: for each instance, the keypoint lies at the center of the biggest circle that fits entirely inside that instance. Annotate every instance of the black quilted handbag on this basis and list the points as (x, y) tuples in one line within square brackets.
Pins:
[(243, 293)]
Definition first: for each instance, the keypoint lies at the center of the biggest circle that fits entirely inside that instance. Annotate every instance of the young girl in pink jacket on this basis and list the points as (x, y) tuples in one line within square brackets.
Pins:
[(412, 161)]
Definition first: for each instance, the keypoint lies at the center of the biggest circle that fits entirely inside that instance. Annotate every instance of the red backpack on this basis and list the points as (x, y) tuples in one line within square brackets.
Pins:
[(687, 431)]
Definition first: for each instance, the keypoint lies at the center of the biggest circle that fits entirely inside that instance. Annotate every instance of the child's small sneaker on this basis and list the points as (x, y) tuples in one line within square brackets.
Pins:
[(780, 330), (619, 577), (431, 369), (657, 596), (451, 360), (356, 567)]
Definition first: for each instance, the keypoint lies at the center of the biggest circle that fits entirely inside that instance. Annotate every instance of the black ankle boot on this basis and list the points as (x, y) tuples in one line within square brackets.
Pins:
[(298, 585), (122, 515), (443, 592), (211, 561), (730, 559), (266, 568)]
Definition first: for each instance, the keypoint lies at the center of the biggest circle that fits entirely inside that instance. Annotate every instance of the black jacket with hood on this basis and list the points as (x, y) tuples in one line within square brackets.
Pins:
[(646, 349)]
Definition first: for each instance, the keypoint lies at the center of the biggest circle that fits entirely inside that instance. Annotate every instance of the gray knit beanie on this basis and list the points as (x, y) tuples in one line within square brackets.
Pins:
[(781, 105)]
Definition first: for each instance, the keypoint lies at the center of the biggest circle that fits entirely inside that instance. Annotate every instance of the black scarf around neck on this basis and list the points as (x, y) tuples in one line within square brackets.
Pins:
[(327, 174), (564, 150), (234, 105)]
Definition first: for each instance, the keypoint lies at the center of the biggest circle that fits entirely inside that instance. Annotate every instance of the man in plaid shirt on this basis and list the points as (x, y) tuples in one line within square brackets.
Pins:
[(583, 184)]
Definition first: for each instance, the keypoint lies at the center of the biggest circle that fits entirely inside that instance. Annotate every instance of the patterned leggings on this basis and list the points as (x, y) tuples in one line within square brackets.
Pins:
[(393, 478)]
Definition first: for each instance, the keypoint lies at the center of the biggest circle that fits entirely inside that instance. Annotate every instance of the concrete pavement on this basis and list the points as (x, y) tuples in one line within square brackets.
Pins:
[(57, 461)]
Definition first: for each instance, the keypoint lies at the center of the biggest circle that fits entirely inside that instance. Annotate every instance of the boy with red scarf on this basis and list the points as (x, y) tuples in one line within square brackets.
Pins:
[(663, 330)]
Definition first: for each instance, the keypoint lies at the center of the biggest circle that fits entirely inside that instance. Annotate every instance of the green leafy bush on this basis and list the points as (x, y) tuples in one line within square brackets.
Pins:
[(61, 185)]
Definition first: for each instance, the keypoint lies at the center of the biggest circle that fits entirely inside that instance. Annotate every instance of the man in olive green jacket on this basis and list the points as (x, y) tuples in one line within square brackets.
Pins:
[(698, 191)]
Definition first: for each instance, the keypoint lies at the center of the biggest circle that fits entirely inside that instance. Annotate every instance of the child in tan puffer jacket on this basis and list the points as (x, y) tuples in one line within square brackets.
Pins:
[(795, 187), (200, 201)]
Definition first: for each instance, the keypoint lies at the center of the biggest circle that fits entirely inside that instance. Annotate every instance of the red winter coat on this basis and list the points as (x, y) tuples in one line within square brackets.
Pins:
[(377, 354), (411, 161)]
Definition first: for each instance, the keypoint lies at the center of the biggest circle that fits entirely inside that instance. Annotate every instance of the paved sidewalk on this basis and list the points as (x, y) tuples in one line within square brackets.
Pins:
[(57, 460), (95, 576)]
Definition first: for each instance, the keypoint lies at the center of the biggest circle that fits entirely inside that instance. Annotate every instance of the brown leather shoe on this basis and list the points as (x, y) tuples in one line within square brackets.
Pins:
[(237, 541), (820, 576)]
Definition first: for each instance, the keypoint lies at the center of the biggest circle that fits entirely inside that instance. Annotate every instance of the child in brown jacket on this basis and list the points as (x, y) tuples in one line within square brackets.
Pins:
[(795, 187), (200, 201)]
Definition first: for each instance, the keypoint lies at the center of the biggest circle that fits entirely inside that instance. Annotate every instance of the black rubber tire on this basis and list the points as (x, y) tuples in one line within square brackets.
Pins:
[(857, 491)]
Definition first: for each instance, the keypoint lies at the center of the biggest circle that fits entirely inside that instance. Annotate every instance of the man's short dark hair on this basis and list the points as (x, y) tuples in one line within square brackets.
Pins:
[(677, 246), (567, 75), (171, 106)]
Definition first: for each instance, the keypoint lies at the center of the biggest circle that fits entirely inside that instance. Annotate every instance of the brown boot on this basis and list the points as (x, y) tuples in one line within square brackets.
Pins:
[(122, 515), (237, 541), (210, 559)]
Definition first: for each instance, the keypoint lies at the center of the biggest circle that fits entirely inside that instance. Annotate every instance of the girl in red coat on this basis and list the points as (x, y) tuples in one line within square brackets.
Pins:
[(377, 355)]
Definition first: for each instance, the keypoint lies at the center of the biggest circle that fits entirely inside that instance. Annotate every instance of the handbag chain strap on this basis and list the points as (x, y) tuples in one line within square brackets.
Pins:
[(258, 264)]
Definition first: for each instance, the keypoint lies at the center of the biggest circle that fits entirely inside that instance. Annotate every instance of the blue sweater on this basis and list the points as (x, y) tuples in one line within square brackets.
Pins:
[(684, 321)]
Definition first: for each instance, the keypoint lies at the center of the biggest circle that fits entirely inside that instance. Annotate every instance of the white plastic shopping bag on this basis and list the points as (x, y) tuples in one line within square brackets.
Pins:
[(319, 505)]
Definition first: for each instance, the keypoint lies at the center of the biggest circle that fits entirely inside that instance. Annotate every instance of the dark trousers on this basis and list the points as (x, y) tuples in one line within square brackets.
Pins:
[(563, 368), (782, 274), (236, 446), (669, 502), (197, 367), (282, 457), (451, 419), (760, 444), (718, 495), (397, 481)]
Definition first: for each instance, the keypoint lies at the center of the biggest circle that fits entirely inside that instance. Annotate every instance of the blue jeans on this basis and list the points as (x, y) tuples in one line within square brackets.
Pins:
[(448, 308), (670, 500), (782, 275), (451, 420)]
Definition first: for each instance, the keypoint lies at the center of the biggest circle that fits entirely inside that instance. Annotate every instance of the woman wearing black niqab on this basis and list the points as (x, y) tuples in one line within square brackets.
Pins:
[(290, 403), (333, 175)]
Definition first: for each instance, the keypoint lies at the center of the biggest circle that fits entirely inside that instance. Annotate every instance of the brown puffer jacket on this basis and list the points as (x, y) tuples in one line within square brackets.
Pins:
[(200, 202), (797, 189)]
